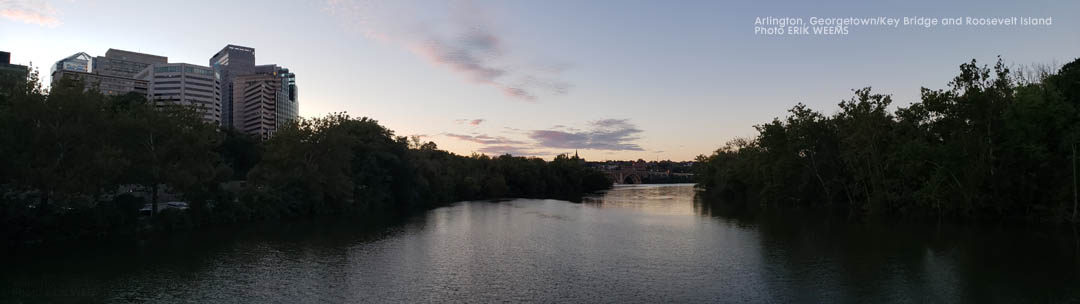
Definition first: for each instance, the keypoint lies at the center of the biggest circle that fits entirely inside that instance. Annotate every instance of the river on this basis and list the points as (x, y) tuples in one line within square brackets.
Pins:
[(644, 243)]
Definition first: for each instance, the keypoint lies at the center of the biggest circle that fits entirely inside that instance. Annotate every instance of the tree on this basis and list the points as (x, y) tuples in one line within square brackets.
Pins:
[(64, 155), (241, 152), (60, 145), (168, 146), (992, 145)]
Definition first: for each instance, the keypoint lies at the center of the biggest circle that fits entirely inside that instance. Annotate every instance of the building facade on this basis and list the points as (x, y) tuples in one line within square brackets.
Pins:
[(286, 107), (12, 76), (80, 62), (254, 99), (264, 101), (108, 85), (186, 85), (112, 74), (289, 110), (121, 63), (15, 70), (229, 62)]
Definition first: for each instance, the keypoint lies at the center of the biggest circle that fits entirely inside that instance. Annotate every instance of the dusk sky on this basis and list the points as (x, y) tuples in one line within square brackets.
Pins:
[(611, 79)]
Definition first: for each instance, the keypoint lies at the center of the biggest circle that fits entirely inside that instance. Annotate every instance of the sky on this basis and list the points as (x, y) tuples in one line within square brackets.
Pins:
[(611, 80)]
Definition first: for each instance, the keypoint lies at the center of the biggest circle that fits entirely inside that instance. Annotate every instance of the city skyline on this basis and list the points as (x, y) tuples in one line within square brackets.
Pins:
[(626, 81)]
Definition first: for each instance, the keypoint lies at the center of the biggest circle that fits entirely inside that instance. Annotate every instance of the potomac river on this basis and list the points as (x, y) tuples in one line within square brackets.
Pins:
[(641, 243)]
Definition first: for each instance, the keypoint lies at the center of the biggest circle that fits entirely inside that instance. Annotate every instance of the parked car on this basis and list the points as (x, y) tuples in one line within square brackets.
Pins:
[(177, 205), (147, 209)]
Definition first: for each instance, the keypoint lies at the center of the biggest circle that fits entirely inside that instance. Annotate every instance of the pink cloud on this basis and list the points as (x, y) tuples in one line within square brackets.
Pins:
[(32, 12), (465, 44), (471, 122), (484, 139), (512, 150), (605, 134)]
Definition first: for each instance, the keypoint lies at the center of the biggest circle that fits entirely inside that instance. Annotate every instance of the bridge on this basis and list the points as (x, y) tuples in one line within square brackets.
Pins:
[(630, 175), (626, 176)]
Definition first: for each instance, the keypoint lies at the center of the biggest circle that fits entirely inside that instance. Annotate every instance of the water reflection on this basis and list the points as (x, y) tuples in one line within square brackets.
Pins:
[(673, 199), (828, 259)]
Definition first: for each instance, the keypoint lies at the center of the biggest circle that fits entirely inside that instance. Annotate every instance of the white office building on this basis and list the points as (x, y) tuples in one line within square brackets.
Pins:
[(187, 85)]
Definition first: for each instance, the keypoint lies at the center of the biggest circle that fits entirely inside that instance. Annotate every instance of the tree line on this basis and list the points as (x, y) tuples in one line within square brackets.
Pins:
[(996, 144), (77, 164)]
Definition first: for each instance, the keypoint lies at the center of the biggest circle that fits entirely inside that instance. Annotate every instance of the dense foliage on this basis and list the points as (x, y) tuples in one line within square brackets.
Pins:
[(77, 164), (995, 145)]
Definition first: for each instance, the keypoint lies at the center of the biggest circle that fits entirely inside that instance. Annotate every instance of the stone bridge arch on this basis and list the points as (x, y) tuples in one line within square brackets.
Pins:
[(625, 176), (631, 178)]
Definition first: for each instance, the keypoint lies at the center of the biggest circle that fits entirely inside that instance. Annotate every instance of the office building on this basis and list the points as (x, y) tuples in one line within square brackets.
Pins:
[(80, 62), (264, 101), (12, 76), (122, 63), (286, 108), (186, 85), (12, 69), (112, 74), (255, 99), (231, 61)]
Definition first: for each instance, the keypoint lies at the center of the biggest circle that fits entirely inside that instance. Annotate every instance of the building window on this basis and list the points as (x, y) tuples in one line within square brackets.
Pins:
[(167, 69)]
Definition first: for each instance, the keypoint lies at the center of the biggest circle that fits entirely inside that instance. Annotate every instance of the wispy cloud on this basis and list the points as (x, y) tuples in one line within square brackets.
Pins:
[(607, 134), (512, 150), (485, 139), (462, 41), (471, 122), (30, 11)]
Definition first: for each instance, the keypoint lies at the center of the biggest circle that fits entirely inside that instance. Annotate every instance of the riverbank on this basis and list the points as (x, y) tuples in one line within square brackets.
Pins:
[(995, 145), (131, 227), (67, 154)]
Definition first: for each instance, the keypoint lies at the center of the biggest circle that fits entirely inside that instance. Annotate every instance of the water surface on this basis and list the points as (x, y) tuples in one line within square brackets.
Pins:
[(646, 243)]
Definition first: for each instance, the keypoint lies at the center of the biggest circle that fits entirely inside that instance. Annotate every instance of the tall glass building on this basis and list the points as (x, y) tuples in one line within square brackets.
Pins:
[(255, 99), (229, 62), (289, 108)]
